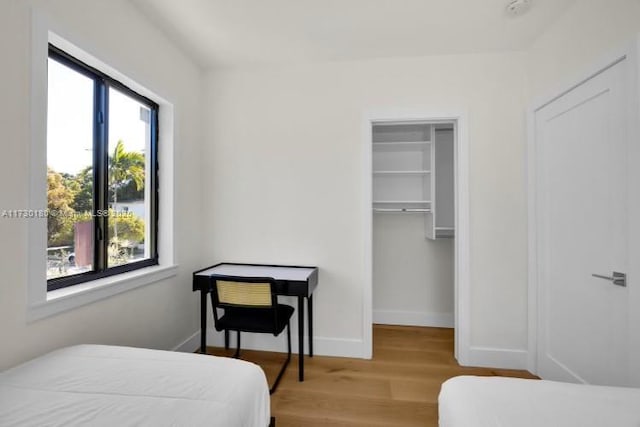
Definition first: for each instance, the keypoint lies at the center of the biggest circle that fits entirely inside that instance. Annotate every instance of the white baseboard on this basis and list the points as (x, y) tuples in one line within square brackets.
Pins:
[(189, 345), (413, 318), (488, 357), (322, 346), (339, 347)]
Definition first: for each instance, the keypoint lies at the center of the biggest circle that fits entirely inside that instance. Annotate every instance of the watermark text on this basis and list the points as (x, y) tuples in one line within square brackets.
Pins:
[(61, 213)]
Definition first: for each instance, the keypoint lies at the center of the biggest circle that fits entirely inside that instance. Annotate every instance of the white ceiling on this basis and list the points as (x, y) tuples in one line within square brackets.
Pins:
[(218, 33)]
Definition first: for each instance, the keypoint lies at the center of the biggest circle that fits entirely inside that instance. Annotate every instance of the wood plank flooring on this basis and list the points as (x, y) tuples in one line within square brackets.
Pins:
[(398, 387)]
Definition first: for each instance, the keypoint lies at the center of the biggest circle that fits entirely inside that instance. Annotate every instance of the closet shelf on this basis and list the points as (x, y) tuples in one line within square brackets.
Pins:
[(412, 166), (404, 210), (401, 202), (398, 143), (402, 172), (444, 232)]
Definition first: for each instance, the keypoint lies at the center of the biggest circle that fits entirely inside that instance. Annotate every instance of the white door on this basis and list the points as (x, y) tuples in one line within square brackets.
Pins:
[(582, 158)]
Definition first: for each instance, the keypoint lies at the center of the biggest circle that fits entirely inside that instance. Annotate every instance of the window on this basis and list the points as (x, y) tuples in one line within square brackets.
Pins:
[(102, 192)]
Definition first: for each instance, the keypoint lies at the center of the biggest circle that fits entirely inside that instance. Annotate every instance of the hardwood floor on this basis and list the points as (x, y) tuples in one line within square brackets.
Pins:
[(398, 387)]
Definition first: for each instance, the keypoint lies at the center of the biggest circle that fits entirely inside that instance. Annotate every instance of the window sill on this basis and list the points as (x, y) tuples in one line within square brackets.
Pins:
[(86, 293)]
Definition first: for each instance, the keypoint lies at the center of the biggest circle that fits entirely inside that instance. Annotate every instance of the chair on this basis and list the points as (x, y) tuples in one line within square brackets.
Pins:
[(250, 304)]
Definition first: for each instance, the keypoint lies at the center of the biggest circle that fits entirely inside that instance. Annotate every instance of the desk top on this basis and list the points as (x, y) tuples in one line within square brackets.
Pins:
[(290, 280), (289, 273)]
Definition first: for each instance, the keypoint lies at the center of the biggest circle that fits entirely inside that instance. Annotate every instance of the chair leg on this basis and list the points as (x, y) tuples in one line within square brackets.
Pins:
[(238, 347), (288, 341), (286, 362)]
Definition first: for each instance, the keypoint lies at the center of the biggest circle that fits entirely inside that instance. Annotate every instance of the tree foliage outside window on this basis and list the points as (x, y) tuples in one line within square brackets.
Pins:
[(71, 198)]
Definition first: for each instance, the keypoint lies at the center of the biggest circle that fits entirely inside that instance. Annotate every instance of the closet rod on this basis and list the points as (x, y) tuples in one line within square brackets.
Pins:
[(422, 210)]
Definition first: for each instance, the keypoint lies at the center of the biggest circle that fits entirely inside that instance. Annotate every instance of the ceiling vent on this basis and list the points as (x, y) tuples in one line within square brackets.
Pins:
[(518, 7)]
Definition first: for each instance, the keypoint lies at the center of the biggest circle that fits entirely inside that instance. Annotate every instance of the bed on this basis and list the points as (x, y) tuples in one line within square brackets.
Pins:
[(95, 385), (512, 402)]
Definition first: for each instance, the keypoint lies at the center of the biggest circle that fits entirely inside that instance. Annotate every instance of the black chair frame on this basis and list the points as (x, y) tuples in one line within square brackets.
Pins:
[(215, 301)]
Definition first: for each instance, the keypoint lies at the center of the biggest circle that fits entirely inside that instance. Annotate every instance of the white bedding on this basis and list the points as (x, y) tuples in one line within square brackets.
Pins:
[(510, 402), (93, 385)]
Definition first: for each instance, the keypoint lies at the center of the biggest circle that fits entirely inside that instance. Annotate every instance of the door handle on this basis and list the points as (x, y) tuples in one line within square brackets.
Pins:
[(618, 279)]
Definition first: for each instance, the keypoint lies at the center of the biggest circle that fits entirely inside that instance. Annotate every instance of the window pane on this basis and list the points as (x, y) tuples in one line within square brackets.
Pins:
[(129, 187), (69, 171)]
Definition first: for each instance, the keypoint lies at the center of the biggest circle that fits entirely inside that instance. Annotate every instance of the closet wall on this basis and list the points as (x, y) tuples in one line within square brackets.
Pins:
[(412, 275)]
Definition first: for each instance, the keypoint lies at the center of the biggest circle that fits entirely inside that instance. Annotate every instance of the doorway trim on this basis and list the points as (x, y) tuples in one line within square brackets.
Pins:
[(462, 290)]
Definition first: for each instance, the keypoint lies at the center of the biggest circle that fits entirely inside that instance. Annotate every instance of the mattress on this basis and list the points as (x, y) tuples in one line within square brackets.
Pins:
[(94, 385), (512, 402)]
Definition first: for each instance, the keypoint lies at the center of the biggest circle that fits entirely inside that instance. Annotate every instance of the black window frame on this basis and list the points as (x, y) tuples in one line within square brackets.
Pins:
[(102, 83)]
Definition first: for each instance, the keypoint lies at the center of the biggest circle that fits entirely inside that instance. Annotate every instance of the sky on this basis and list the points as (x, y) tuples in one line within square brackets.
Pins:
[(70, 120)]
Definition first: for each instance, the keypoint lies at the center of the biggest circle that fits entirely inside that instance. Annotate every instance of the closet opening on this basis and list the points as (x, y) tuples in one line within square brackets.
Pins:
[(414, 168)]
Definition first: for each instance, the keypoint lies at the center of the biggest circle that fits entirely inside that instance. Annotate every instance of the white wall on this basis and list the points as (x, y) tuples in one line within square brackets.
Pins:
[(587, 32), (160, 315), (284, 180)]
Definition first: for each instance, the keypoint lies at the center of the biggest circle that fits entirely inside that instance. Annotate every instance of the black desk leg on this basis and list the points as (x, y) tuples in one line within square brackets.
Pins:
[(301, 338), (203, 322), (310, 317)]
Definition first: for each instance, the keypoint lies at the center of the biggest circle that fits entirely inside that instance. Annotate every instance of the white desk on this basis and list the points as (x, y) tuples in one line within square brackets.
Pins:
[(298, 281)]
